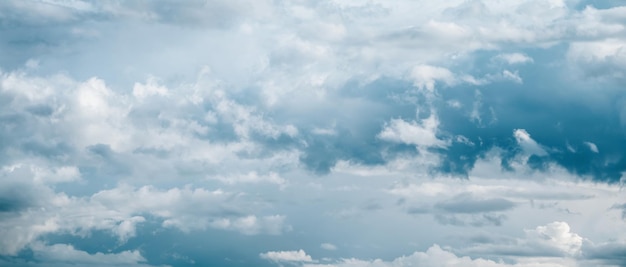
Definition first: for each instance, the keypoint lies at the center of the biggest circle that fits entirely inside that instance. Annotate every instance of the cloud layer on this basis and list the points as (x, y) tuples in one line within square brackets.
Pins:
[(312, 133)]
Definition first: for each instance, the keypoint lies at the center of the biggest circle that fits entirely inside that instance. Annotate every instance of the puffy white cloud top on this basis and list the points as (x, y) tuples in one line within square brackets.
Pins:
[(312, 133)]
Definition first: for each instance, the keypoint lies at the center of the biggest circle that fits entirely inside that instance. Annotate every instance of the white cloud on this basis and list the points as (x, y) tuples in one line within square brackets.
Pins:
[(250, 225), (529, 145), (593, 147), (239, 93), (62, 253), (120, 210), (328, 246), (515, 58), (287, 256), (151, 87), (436, 256), (513, 76), (553, 242), (526, 252), (601, 58), (557, 235), (57, 11), (252, 177), (187, 209), (413, 133)]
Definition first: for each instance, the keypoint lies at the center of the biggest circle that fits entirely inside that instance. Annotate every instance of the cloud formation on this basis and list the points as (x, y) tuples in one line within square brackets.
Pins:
[(321, 133)]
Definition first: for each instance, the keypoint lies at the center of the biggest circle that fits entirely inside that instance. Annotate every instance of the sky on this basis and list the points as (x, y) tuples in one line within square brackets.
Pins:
[(312, 133)]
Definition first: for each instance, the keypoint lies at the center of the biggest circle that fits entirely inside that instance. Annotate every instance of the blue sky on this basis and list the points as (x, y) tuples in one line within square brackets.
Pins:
[(312, 133)]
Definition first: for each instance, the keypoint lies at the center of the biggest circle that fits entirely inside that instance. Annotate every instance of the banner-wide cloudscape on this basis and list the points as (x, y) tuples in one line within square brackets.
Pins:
[(312, 133)]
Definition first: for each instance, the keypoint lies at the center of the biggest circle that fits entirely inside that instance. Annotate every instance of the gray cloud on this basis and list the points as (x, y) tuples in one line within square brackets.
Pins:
[(608, 253), (466, 210), (465, 203), (620, 207), (485, 219), (259, 124)]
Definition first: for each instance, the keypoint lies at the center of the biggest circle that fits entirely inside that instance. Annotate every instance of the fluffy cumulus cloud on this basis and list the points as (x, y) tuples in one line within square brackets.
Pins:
[(312, 133), (288, 256), (436, 256), (553, 245)]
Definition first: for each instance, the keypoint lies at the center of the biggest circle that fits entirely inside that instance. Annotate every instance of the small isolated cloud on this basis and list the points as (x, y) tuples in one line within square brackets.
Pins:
[(593, 147), (512, 76), (421, 133), (287, 256), (251, 225), (529, 146), (514, 58), (328, 246)]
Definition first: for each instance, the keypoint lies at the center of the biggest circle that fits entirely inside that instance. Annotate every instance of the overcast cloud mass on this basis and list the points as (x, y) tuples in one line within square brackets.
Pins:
[(312, 133)]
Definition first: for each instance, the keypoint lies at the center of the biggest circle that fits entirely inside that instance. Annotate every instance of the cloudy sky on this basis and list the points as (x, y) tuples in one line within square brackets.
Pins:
[(312, 133)]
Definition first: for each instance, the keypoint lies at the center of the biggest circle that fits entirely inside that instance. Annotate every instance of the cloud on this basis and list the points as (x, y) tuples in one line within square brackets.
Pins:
[(67, 254), (40, 12), (241, 126), (286, 256), (515, 58), (421, 134), (600, 58), (476, 213), (592, 147), (425, 76), (189, 209), (466, 204), (475, 220), (122, 209), (249, 225), (328, 246), (622, 207), (253, 177), (557, 235), (62, 255), (435, 256), (465, 209), (534, 250), (610, 253), (551, 240), (529, 145)]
